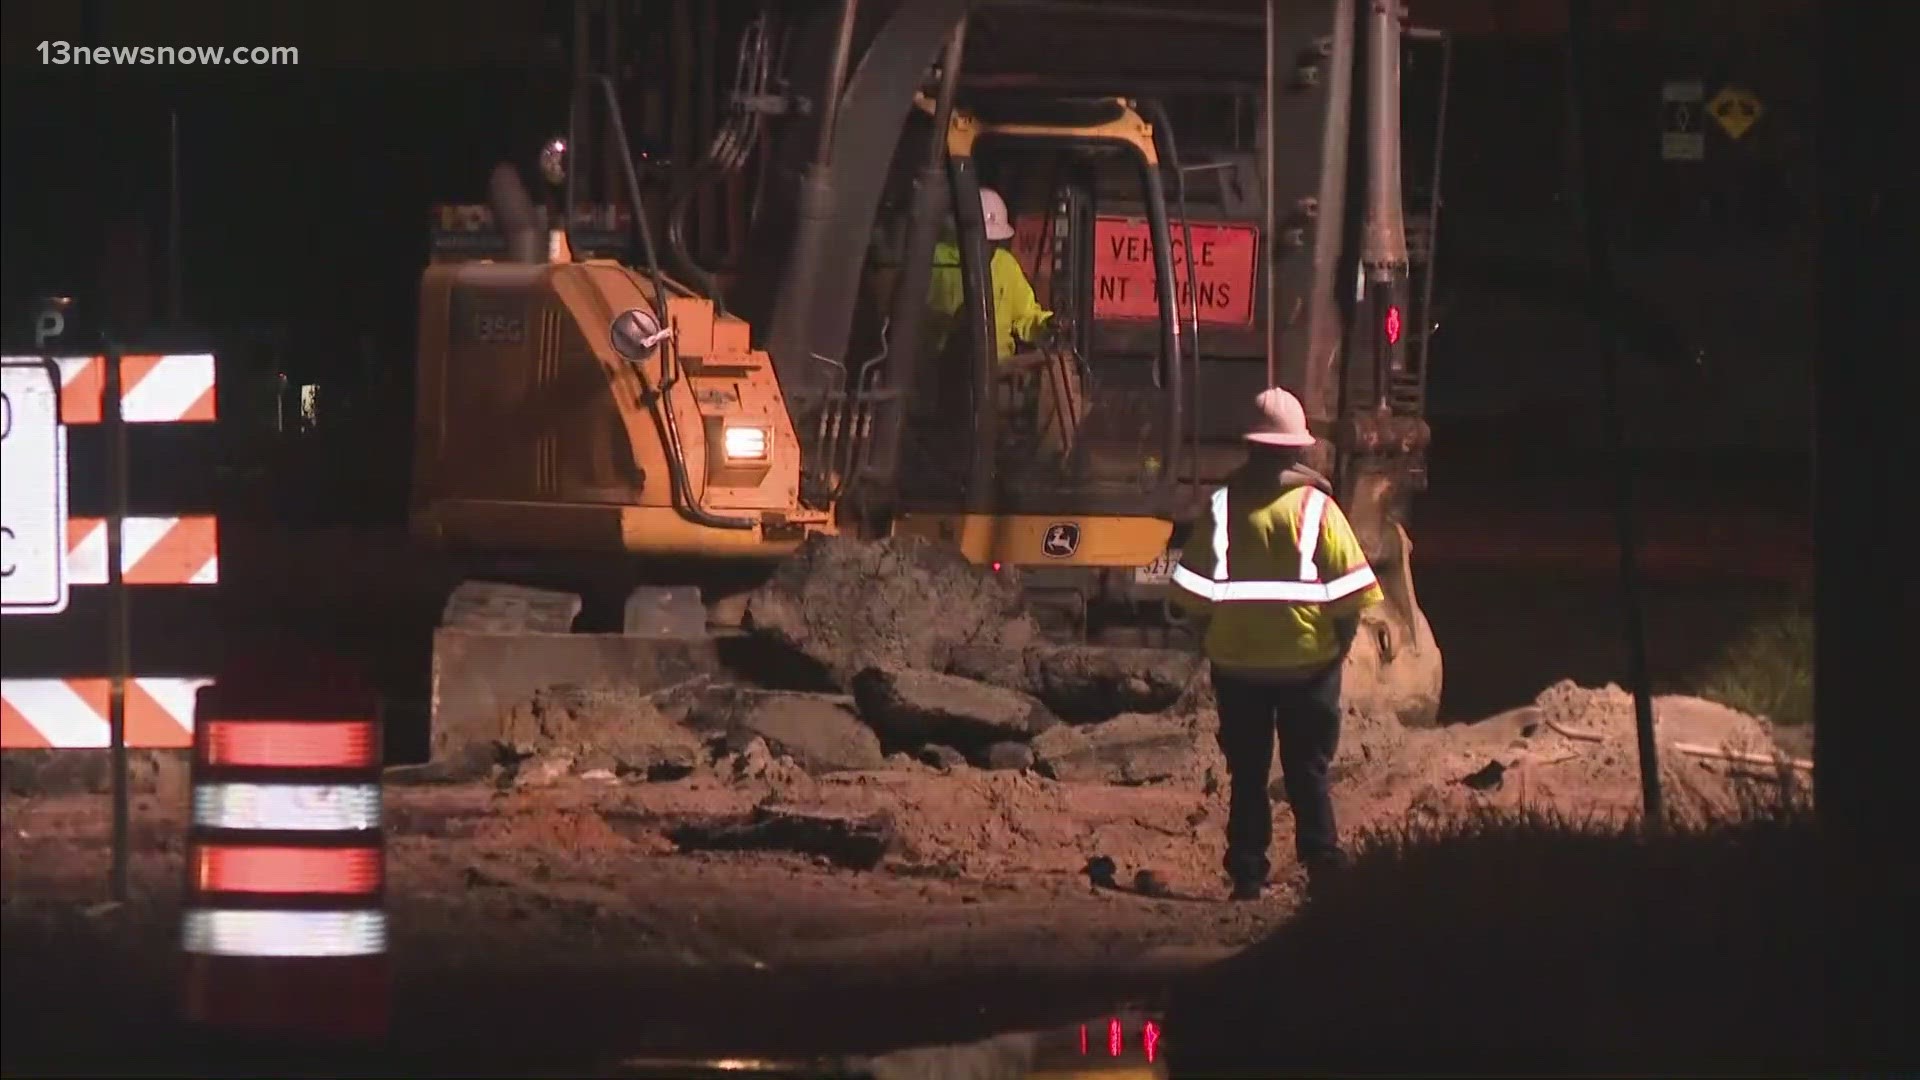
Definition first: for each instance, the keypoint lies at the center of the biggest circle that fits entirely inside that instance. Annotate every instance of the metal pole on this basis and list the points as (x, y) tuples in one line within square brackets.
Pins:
[(1433, 198), (579, 160), (706, 123), (175, 303), (119, 621), (842, 58), (1270, 228), (1596, 207), (610, 139)]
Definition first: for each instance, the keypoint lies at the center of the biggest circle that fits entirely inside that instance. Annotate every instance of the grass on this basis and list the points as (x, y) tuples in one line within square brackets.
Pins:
[(1528, 942), (1768, 669)]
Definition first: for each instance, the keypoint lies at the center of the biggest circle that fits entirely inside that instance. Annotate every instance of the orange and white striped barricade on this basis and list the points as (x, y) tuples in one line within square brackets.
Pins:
[(57, 673), (284, 925)]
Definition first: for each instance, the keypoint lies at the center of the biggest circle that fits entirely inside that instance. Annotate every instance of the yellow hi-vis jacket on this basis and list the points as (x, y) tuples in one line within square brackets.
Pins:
[(1274, 574), (1016, 310)]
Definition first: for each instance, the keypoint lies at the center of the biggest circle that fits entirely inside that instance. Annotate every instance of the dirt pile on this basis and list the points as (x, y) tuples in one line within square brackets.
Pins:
[(842, 606), (920, 785), (582, 729), (566, 828), (1606, 715), (985, 825), (1370, 739), (1575, 748)]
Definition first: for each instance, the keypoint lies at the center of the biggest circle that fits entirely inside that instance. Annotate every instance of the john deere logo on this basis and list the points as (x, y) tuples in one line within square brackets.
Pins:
[(1736, 110), (1062, 540)]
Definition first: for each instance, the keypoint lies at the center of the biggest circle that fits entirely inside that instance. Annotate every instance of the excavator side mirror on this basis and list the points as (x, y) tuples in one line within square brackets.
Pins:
[(636, 333)]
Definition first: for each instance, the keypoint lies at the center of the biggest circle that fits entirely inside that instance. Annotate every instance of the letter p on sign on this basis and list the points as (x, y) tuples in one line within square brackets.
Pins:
[(51, 324)]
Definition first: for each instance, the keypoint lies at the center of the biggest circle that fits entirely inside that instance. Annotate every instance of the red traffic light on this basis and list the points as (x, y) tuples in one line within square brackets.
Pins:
[(1393, 324)]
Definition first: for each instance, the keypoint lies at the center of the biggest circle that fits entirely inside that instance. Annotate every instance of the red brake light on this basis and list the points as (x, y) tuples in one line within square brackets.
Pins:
[(1393, 326)]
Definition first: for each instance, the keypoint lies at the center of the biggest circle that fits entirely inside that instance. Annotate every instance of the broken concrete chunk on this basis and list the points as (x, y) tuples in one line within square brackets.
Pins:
[(1083, 683), (943, 757), (1006, 756), (492, 607), (820, 732), (850, 840), (678, 701), (848, 605), (756, 761), (995, 665), (1103, 683), (910, 708), (1131, 749), (665, 612), (600, 729)]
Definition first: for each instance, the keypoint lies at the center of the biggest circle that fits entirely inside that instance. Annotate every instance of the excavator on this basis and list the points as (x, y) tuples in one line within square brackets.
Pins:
[(612, 456)]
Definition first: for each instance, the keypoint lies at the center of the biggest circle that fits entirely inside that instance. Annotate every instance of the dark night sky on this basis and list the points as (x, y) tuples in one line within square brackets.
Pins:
[(304, 190)]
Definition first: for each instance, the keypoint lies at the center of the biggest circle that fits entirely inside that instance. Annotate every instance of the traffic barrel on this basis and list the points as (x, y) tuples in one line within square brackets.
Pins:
[(284, 927)]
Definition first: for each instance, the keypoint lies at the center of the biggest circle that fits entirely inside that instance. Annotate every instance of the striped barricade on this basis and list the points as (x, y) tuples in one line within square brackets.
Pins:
[(165, 388), (284, 927), (56, 679)]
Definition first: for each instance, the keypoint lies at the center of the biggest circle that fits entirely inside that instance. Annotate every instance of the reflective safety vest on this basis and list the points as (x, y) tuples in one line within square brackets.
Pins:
[(1275, 578), (1016, 310)]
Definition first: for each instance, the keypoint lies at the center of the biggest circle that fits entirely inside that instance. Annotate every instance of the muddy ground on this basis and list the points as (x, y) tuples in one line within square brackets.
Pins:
[(560, 925), (551, 925)]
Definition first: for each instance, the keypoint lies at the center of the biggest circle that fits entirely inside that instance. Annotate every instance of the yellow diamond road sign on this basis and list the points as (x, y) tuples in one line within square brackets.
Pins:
[(1736, 110)]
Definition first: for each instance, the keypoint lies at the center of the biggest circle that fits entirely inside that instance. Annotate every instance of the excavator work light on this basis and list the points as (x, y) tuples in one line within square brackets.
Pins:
[(739, 443)]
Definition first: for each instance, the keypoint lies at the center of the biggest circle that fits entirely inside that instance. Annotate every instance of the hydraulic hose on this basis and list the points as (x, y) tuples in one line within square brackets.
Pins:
[(689, 506), (1163, 130), (727, 155)]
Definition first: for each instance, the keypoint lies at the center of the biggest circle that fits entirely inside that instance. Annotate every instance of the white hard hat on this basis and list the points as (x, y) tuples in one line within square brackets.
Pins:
[(1278, 420), (993, 211)]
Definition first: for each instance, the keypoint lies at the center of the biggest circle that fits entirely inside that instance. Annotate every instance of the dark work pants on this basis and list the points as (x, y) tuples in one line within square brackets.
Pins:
[(1306, 716)]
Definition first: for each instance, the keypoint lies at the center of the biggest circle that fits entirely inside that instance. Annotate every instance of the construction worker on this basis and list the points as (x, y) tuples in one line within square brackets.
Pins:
[(1017, 313), (1278, 574)]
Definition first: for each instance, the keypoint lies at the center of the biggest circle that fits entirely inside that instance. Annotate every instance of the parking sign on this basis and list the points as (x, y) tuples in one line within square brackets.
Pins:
[(33, 490)]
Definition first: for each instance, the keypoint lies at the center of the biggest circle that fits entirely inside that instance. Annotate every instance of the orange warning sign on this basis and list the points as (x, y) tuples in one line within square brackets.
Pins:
[(1225, 262), (1223, 265)]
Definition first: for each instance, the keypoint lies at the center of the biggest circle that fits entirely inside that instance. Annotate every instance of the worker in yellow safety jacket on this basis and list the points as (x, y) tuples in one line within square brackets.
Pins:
[(1017, 313), (1278, 574)]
